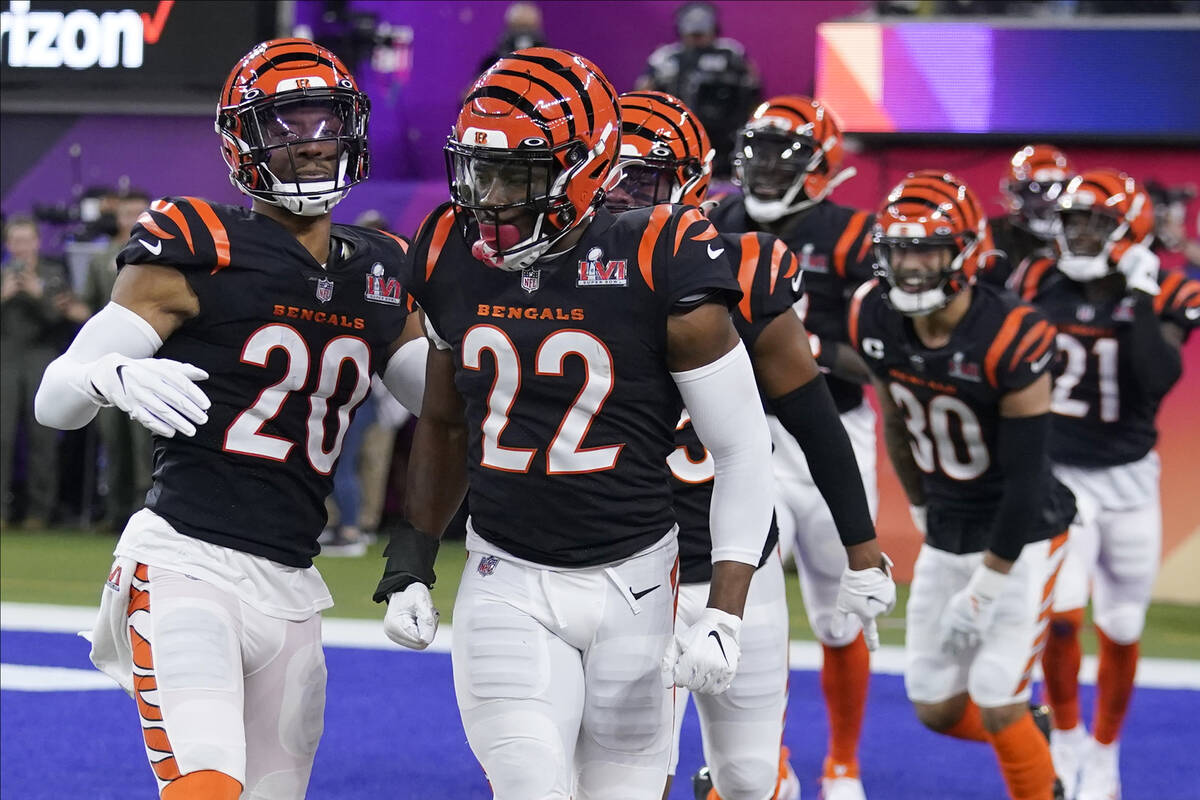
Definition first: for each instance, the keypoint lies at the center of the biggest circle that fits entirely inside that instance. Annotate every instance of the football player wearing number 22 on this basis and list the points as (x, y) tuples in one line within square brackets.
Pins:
[(211, 617)]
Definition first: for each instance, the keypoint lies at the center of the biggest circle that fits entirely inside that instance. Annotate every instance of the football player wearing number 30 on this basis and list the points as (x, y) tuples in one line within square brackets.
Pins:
[(211, 614), (1121, 323), (565, 339), (962, 373)]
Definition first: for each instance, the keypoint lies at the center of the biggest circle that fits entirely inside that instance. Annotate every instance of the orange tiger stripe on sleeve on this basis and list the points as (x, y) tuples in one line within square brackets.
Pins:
[(746, 270), (216, 229), (147, 221), (169, 208), (1008, 332), (686, 221), (403, 244), (856, 307), (1031, 278), (847, 239), (658, 221), (778, 253), (441, 233), (1036, 332)]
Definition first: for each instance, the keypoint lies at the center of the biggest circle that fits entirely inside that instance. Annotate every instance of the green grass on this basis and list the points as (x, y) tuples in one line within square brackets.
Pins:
[(69, 567)]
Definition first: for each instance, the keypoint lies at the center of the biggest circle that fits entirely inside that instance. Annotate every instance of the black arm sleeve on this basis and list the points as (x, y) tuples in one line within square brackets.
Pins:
[(1021, 447), (1157, 364), (809, 415), (410, 555)]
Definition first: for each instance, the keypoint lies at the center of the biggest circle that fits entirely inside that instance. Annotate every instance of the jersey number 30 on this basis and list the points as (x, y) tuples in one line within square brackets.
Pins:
[(245, 435), (930, 434), (564, 456)]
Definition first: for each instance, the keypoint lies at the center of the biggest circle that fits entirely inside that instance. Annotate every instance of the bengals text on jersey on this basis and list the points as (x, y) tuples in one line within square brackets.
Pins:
[(950, 400), (289, 346), (571, 410)]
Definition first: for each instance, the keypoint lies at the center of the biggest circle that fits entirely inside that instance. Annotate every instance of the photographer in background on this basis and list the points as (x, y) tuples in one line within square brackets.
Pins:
[(33, 290)]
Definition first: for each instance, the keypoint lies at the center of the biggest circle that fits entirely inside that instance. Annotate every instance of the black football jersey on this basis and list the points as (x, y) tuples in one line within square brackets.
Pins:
[(771, 284), (950, 399), (289, 348), (1102, 416), (1017, 244), (833, 246), (571, 410)]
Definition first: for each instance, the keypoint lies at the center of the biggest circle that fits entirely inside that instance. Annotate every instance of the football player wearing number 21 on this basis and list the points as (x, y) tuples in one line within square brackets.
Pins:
[(244, 340)]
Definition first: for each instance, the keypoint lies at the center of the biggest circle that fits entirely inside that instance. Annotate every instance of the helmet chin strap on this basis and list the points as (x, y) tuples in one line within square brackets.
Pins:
[(314, 198), (917, 304), (1084, 268)]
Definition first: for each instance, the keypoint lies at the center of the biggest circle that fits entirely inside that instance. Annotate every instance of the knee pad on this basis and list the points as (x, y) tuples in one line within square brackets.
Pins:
[(625, 706), (517, 750), (746, 778), (1123, 623), (303, 709)]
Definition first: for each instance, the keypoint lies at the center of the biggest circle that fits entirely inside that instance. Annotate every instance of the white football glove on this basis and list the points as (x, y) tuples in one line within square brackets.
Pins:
[(919, 516), (865, 593), (971, 611), (704, 657), (411, 620), (158, 393), (1140, 265)]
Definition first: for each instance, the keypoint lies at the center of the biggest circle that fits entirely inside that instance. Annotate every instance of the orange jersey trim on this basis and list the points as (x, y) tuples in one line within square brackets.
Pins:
[(686, 221), (177, 217), (1168, 287), (1027, 341), (440, 234), (746, 271), (658, 220), (1008, 332), (403, 244), (216, 229), (855, 308), (777, 255), (842, 248)]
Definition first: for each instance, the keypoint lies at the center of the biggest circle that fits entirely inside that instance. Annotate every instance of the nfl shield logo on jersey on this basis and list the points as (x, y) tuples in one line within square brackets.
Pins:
[(324, 290), (487, 565), (531, 281)]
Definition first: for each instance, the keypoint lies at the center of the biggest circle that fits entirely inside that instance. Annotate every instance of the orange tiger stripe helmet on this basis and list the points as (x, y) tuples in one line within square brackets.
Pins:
[(532, 153), (930, 217), (666, 156), (1036, 176), (293, 126), (1101, 213), (788, 157)]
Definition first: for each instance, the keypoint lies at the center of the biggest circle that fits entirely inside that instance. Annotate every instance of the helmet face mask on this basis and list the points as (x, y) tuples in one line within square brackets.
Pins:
[(1035, 203), (930, 236), (772, 166), (666, 156), (298, 142), (1101, 214), (642, 185), (1037, 175)]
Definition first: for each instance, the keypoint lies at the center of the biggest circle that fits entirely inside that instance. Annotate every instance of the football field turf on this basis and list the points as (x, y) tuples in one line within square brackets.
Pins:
[(392, 728)]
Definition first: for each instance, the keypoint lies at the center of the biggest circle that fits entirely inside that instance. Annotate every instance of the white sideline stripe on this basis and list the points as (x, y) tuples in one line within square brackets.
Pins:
[(27, 678), (1155, 673)]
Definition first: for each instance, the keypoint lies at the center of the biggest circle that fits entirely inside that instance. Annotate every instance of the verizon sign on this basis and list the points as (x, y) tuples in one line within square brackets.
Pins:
[(79, 39)]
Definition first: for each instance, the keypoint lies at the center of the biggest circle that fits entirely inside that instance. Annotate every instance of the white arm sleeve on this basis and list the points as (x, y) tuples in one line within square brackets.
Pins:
[(728, 416), (405, 374), (64, 399)]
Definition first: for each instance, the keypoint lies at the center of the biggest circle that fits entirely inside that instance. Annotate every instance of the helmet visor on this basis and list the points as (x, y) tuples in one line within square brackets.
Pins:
[(641, 185), (1036, 200), (480, 181)]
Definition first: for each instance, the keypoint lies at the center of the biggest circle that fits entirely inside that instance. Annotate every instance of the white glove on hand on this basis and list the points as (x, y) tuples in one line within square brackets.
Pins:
[(919, 515), (411, 620), (1140, 267), (704, 657), (971, 611), (865, 593), (158, 393)]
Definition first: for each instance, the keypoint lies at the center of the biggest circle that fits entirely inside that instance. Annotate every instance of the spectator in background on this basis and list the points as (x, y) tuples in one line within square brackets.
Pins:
[(1170, 226), (522, 29), (128, 449), (710, 74), (32, 291)]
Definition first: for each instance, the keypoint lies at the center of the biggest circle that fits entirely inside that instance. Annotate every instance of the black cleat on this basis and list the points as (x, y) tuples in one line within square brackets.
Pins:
[(701, 784), (1041, 718)]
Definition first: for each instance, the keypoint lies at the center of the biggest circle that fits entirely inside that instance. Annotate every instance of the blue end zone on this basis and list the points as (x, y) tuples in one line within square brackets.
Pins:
[(392, 730)]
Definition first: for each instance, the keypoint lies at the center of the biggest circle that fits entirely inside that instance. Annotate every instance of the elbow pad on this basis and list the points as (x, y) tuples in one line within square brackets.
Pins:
[(722, 400), (1021, 447), (65, 398), (405, 374)]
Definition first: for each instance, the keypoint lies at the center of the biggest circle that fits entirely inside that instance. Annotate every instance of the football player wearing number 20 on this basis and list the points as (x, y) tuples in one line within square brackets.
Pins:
[(566, 338), (211, 617), (962, 373), (1121, 323)]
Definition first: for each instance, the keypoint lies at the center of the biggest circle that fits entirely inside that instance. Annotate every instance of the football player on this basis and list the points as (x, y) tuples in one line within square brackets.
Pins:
[(665, 157), (211, 615), (788, 160), (962, 374), (1121, 323), (1037, 174)]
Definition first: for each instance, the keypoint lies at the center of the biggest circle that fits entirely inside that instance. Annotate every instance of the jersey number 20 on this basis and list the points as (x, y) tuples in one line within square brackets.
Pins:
[(245, 434)]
